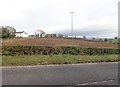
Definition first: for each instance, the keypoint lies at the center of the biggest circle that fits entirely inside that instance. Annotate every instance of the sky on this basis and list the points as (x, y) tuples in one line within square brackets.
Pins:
[(92, 18)]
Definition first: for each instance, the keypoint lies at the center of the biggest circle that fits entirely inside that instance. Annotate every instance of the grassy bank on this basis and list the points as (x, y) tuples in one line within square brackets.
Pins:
[(55, 59)]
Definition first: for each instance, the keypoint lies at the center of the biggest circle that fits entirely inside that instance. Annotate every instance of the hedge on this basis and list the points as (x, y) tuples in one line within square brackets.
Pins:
[(47, 50)]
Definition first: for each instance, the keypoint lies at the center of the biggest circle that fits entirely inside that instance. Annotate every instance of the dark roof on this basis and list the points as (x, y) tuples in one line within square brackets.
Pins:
[(20, 32)]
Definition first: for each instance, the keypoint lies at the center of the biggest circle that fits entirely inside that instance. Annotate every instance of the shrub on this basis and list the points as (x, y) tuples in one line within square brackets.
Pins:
[(47, 50)]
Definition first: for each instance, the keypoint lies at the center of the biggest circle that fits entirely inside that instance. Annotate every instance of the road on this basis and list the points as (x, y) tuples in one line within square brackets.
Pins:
[(76, 74)]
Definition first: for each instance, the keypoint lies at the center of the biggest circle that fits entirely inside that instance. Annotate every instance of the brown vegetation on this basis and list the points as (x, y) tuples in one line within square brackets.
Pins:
[(56, 42)]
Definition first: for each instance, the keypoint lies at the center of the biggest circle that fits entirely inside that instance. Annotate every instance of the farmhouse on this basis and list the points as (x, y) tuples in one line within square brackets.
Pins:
[(21, 34)]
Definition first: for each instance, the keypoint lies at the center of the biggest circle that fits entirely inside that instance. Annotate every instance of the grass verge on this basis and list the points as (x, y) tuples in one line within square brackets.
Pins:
[(24, 60)]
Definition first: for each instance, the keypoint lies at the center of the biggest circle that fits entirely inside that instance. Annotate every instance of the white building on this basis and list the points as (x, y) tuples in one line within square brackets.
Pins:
[(22, 34)]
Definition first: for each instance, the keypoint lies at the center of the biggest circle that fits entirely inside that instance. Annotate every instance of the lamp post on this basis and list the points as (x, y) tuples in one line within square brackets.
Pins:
[(72, 25)]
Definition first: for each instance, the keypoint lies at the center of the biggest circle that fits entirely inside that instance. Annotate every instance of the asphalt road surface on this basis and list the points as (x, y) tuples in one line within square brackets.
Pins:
[(79, 74)]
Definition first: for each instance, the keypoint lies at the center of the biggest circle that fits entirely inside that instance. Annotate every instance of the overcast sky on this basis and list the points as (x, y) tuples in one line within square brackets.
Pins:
[(97, 18)]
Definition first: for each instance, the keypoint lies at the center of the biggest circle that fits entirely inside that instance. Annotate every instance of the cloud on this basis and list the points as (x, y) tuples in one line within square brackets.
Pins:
[(90, 17), (15, 9)]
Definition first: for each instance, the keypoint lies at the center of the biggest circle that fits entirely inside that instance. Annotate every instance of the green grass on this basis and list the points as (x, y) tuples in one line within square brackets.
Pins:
[(115, 41), (55, 59)]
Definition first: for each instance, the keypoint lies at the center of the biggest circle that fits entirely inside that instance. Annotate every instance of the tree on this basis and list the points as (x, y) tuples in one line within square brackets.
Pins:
[(93, 38), (105, 39), (7, 32), (84, 37), (12, 31), (4, 33), (115, 37)]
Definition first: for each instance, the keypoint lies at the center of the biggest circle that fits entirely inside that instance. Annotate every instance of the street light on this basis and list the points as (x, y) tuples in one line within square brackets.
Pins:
[(72, 25)]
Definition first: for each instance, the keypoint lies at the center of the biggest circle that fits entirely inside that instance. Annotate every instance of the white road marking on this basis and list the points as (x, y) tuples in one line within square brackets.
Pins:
[(95, 82)]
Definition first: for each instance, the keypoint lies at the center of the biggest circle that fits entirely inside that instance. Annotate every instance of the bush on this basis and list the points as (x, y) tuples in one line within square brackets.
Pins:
[(47, 50)]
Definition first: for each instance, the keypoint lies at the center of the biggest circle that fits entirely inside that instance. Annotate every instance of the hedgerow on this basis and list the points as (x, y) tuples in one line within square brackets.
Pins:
[(48, 50)]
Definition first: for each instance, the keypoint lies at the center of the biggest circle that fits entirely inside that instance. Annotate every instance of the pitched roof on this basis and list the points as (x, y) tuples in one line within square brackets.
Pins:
[(20, 32)]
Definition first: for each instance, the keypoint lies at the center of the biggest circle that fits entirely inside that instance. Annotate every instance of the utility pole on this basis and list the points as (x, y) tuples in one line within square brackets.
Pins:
[(72, 25)]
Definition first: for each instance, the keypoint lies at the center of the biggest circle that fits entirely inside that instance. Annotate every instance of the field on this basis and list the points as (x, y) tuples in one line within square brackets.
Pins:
[(57, 42), (22, 60), (114, 41)]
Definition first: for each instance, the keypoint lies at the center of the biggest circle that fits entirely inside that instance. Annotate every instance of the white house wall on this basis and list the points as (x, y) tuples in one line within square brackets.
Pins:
[(22, 35)]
